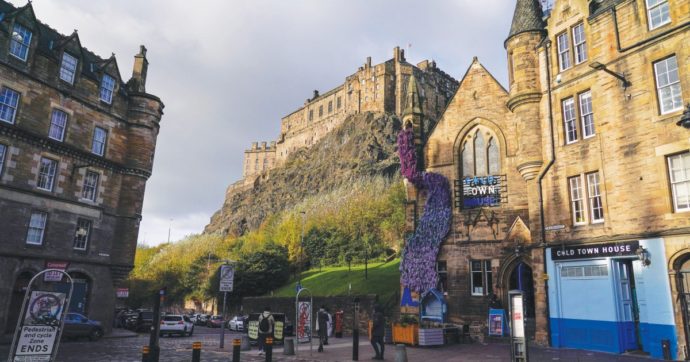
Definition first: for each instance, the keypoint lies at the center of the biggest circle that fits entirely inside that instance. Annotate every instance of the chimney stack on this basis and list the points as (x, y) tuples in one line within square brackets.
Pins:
[(141, 65)]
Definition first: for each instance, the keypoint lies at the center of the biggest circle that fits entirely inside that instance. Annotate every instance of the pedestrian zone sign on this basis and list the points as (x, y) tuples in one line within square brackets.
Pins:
[(40, 327), (227, 275)]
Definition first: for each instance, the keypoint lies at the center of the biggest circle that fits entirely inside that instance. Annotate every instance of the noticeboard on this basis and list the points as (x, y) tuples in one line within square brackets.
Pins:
[(497, 322)]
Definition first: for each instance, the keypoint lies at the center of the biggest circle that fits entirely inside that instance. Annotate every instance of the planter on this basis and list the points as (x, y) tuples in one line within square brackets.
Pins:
[(431, 337), (406, 334)]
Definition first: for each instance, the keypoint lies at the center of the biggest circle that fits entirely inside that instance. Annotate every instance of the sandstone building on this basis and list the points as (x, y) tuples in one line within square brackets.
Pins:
[(573, 185), (76, 149)]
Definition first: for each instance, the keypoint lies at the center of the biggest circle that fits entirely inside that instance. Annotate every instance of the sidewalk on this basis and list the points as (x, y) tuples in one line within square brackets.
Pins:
[(121, 333)]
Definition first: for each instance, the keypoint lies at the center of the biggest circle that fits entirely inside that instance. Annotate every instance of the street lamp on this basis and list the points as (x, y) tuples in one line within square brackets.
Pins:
[(621, 77), (301, 248), (169, 227)]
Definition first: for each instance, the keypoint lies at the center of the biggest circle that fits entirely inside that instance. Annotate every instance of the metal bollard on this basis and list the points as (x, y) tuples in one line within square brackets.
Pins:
[(236, 343), (145, 354), (268, 349), (400, 353), (196, 352)]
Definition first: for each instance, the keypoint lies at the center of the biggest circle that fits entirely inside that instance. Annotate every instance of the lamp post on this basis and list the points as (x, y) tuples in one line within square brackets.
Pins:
[(169, 228), (301, 248), (227, 275)]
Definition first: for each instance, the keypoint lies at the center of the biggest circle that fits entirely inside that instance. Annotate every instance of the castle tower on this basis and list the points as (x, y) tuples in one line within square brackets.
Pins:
[(413, 111)]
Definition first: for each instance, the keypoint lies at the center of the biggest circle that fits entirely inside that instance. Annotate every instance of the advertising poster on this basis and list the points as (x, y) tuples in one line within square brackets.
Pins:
[(518, 317), (304, 322), (496, 322), (54, 276), (40, 326), (253, 329)]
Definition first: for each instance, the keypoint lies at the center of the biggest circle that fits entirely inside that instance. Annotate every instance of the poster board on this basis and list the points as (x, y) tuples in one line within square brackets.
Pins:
[(304, 322), (497, 322)]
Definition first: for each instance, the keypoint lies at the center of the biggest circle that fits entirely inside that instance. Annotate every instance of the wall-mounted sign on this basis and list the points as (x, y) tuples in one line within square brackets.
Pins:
[(480, 191), (55, 276), (626, 248), (122, 292)]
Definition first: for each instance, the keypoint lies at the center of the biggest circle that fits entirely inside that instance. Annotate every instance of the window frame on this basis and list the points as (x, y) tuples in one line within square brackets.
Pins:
[(94, 140), (649, 9), (673, 182), (64, 71), (88, 188), (563, 53), (53, 125), (82, 239), (3, 155), (583, 116), (577, 53), (566, 130), (52, 177), (580, 200), (34, 227), (594, 195), (659, 88), (14, 107), (107, 88), (487, 277), (23, 46)]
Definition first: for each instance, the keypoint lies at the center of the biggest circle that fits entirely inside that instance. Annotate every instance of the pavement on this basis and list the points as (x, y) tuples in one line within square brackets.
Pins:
[(126, 347)]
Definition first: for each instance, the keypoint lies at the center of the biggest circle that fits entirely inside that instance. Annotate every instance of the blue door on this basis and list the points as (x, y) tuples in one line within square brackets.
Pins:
[(626, 306)]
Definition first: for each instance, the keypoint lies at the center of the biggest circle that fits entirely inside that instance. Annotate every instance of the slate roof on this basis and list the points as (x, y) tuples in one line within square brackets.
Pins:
[(597, 8), (527, 18)]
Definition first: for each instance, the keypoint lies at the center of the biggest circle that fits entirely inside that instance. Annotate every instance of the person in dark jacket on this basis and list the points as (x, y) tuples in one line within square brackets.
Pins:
[(377, 332), (322, 326)]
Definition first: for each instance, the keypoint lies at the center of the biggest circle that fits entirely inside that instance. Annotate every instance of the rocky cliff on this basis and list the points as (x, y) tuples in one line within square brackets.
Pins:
[(363, 145)]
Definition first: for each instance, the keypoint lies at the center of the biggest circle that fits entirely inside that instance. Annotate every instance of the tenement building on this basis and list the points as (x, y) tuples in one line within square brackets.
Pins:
[(573, 185), (76, 149)]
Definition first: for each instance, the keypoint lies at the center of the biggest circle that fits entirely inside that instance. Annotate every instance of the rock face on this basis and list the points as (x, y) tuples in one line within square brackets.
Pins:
[(363, 145)]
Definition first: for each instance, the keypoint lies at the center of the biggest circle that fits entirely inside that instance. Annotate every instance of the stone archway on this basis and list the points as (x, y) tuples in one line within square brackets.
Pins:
[(517, 274), (16, 298), (680, 264)]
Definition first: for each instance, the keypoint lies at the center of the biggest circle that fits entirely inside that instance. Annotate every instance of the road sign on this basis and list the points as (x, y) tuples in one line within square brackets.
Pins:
[(227, 276)]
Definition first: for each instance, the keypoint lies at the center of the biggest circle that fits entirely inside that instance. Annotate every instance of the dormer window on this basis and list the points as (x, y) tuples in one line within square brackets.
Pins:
[(68, 68), (107, 88), (19, 44)]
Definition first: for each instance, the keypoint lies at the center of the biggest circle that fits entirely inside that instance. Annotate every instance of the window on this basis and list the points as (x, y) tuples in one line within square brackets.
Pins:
[(90, 188), (311, 114), (81, 235), (480, 158), (256, 164), (596, 211), (320, 111), (579, 43), (563, 51), (265, 164), (658, 13), (668, 85), (58, 122), (569, 123), (442, 270), (3, 151), (679, 173), (21, 39), (68, 68), (481, 282), (37, 227), (46, 174), (107, 88), (338, 103), (9, 100), (586, 114), (593, 197), (585, 271), (99, 137), (330, 107)]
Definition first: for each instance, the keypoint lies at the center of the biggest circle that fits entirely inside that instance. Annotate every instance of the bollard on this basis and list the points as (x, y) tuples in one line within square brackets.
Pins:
[(289, 346), (236, 344), (400, 353), (145, 354), (245, 346), (196, 352), (268, 349)]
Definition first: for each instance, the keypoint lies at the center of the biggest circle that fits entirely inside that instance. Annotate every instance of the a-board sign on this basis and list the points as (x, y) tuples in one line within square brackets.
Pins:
[(40, 326), (497, 321), (227, 275)]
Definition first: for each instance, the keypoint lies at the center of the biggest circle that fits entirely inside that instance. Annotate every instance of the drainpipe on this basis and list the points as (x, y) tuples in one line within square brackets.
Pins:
[(542, 174)]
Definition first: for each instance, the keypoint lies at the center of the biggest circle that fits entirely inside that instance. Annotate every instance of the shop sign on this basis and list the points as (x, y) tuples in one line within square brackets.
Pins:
[(55, 276), (480, 191), (122, 292), (627, 248)]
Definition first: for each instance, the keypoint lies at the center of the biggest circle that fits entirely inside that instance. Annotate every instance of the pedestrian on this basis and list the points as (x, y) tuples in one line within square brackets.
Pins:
[(329, 325), (322, 326), (266, 323), (377, 332)]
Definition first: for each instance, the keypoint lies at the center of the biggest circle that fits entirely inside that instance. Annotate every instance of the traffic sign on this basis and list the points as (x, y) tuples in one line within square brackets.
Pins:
[(227, 275)]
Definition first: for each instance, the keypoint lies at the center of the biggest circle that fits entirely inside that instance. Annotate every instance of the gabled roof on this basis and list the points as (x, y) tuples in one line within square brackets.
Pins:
[(527, 18), (414, 104)]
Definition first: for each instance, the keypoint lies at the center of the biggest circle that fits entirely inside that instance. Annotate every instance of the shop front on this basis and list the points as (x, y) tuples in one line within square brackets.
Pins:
[(612, 297)]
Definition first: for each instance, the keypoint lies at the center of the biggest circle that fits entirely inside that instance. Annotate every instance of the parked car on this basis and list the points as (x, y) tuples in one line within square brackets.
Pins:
[(237, 323), (176, 324), (201, 319), (143, 321), (215, 321), (77, 325)]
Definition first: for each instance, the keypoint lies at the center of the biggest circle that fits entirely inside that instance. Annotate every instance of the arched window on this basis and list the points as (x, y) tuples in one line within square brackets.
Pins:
[(479, 157)]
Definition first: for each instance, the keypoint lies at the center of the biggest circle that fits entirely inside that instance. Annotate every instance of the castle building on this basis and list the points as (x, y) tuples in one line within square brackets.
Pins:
[(573, 185), (372, 88), (76, 149)]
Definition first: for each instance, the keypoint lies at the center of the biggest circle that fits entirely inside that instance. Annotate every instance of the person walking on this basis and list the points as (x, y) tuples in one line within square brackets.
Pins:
[(329, 325), (266, 324), (322, 326), (377, 332)]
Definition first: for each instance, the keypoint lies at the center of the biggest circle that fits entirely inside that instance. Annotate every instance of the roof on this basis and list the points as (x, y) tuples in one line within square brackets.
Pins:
[(598, 7), (527, 18)]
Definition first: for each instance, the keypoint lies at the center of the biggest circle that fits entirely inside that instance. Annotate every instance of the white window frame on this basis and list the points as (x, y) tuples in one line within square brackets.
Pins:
[(664, 81), (37, 223), (68, 67), (660, 6), (594, 196), (586, 114), (20, 42), (9, 102), (107, 88), (485, 270), (97, 144), (569, 120), (58, 125), (577, 199), (680, 180), (563, 45), (89, 189), (579, 45), (82, 234), (47, 171), (3, 152)]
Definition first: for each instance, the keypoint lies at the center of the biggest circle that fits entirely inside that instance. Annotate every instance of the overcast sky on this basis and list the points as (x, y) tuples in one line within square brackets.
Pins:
[(227, 72)]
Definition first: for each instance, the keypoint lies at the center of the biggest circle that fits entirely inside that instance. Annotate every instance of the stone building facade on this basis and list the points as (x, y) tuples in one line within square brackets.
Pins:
[(589, 161), (76, 149)]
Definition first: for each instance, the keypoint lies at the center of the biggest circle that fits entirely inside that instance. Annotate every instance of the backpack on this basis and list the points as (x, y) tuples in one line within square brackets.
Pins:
[(264, 324)]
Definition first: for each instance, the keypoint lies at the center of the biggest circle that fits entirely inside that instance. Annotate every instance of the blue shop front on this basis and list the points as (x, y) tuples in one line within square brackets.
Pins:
[(611, 297)]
